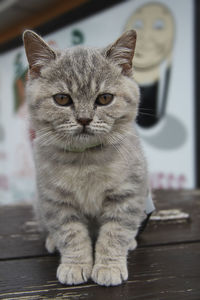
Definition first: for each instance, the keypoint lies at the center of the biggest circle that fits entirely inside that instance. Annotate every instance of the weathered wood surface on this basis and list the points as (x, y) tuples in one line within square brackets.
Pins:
[(166, 265), (168, 232), (19, 235), (165, 272)]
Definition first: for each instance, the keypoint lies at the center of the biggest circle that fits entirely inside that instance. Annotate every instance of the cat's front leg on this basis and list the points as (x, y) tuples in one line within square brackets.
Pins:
[(76, 254), (69, 235), (116, 237), (111, 251)]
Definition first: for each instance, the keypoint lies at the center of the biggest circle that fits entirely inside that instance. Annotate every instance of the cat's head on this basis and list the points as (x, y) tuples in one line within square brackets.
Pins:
[(81, 97)]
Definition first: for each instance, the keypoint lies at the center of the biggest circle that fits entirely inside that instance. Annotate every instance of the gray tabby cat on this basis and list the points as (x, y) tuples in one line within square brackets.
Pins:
[(91, 172)]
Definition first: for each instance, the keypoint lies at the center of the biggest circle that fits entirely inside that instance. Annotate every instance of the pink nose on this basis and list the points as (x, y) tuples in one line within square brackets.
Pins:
[(84, 121)]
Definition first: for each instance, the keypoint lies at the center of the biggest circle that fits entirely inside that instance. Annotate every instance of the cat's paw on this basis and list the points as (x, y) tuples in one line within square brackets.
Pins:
[(111, 274), (50, 244), (73, 273)]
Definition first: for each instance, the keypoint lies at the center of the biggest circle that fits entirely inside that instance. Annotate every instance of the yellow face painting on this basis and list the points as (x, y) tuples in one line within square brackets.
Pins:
[(154, 24)]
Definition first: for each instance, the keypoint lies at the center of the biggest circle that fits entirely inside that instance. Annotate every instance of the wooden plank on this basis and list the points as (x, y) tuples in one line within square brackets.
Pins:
[(19, 236), (38, 18), (155, 273), (174, 231)]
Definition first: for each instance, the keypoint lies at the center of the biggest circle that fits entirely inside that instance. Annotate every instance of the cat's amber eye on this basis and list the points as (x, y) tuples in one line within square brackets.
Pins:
[(63, 99), (104, 99)]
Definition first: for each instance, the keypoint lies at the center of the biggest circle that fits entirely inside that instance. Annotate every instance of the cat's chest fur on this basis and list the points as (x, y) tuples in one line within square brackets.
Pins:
[(88, 185), (83, 185)]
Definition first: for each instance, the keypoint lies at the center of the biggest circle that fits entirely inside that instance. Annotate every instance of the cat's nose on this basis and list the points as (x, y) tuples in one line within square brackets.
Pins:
[(84, 121)]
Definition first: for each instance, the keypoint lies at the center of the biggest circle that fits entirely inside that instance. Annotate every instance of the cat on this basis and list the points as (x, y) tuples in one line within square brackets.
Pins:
[(91, 173)]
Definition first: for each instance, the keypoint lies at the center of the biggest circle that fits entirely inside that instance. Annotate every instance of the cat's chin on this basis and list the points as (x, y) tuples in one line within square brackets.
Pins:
[(82, 141)]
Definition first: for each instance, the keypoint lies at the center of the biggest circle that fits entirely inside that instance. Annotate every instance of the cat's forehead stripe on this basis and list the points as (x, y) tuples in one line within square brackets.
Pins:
[(93, 85), (102, 86), (73, 87), (83, 69)]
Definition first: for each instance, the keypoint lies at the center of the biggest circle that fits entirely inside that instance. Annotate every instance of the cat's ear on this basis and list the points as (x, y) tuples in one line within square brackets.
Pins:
[(37, 51), (122, 51)]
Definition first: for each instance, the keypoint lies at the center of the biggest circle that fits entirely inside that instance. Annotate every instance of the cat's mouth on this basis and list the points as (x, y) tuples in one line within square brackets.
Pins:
[(84, 131)]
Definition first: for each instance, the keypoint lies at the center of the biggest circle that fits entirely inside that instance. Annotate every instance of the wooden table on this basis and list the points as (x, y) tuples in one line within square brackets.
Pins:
[(166, 265)]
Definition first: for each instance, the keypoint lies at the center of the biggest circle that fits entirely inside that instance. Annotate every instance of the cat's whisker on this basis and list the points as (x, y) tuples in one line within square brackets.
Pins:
[(66, 127), (114, 142), (145, 109), (47, 138), (119, 138), (146, 114), (127, 132), (114, 146), (101, 143), (129, 144)]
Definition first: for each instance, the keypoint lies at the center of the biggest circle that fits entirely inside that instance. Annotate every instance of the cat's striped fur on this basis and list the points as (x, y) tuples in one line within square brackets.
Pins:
[(91, 186)]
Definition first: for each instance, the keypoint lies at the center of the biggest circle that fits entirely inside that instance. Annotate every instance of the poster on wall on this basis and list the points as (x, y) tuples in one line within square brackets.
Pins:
[(163, 70), (166, 118)]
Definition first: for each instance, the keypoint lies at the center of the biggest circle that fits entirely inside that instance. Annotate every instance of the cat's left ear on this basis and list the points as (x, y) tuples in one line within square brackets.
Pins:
[(122, 51), (38, 52)]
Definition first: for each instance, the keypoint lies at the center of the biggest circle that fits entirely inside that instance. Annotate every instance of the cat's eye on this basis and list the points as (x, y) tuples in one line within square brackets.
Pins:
[(104, 99), (63, 99)]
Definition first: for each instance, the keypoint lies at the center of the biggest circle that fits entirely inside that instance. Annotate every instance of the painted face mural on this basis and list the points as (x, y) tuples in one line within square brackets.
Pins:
[(155, 28), (154, 24)]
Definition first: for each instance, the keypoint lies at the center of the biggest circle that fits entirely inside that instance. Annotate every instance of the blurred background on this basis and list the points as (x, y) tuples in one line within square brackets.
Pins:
[(164, 67)]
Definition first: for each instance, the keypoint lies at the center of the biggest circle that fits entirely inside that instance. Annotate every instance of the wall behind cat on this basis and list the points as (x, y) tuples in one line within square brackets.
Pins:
[(167, 90)]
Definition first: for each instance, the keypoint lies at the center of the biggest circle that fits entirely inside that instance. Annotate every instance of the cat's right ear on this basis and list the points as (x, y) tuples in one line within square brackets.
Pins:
[(37, 51), (122, 51)]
